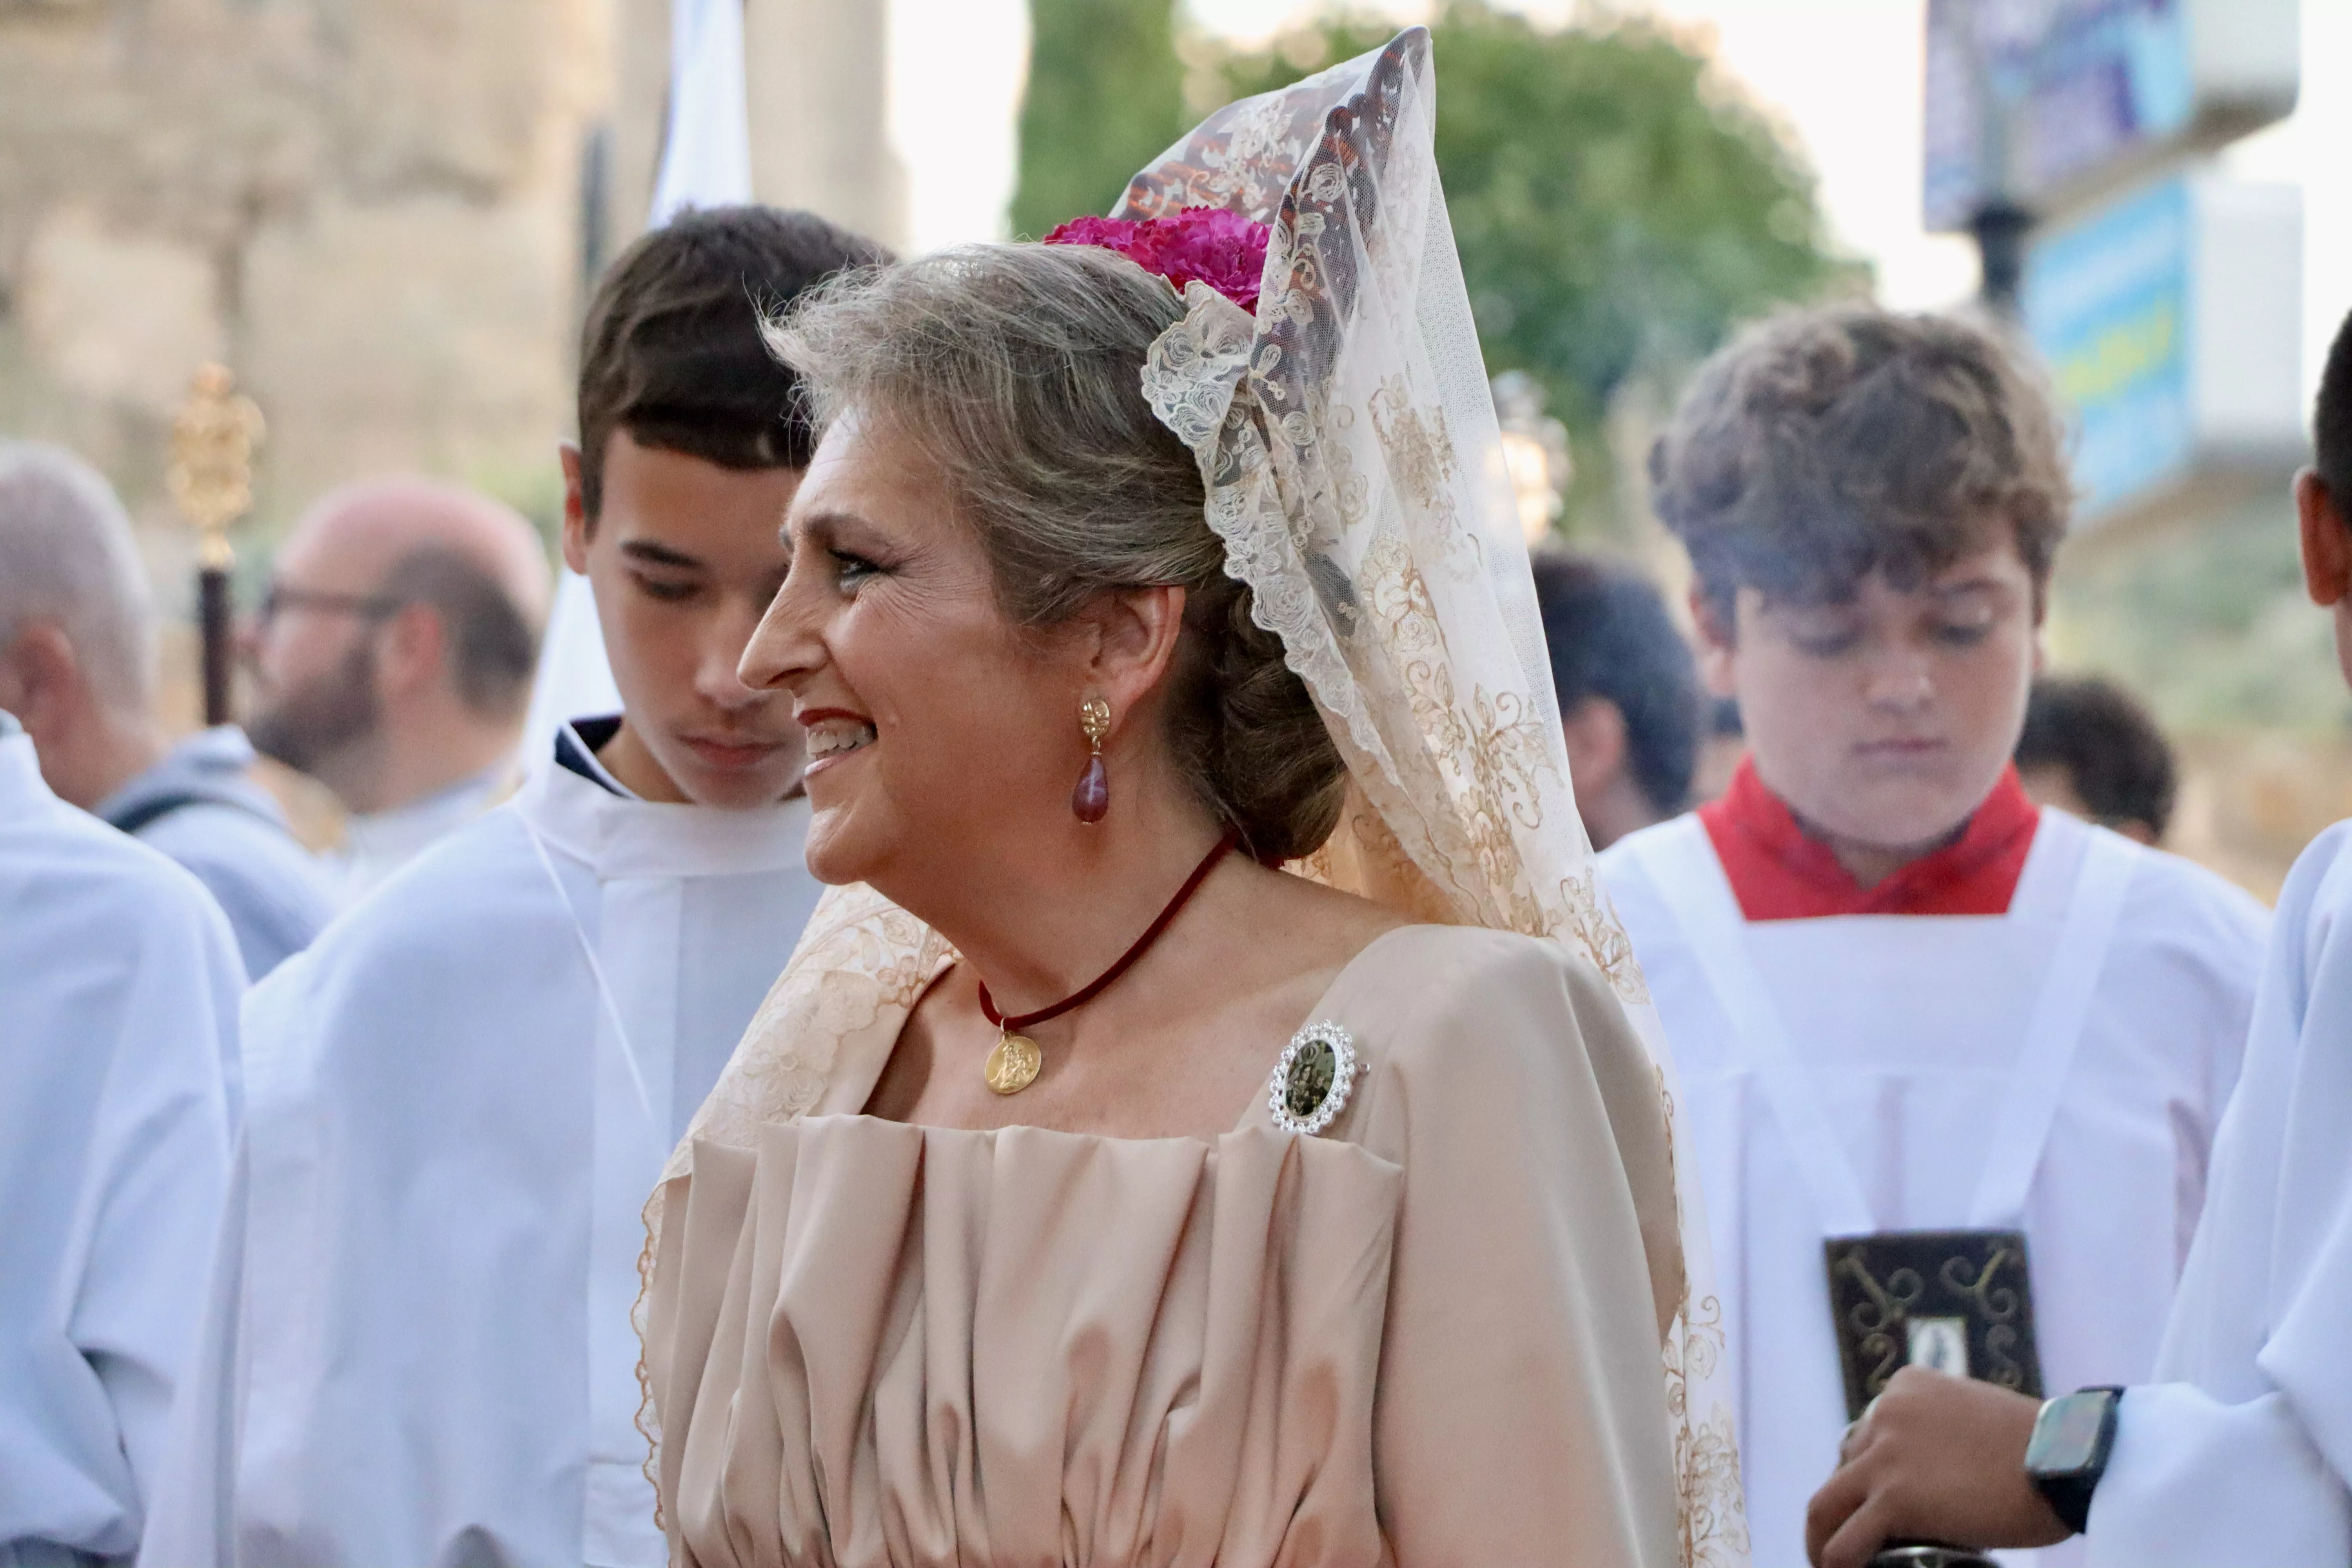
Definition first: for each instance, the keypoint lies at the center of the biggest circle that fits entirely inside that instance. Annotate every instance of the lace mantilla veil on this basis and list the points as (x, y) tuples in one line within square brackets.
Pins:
[(1355, 472)]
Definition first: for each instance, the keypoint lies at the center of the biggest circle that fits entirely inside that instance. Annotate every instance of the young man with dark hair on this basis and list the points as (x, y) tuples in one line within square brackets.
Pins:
[(1926, 1031), (1629, 697), (2090, 748), (421, 1348), (2240, 1449)]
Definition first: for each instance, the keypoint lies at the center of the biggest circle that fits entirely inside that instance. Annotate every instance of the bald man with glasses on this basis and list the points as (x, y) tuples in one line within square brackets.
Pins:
[(392, 659)]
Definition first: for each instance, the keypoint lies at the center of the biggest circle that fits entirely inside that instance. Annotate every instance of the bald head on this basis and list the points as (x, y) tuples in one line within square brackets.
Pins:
[(352, 539), (476, 564), (395, 654), (67, 559)]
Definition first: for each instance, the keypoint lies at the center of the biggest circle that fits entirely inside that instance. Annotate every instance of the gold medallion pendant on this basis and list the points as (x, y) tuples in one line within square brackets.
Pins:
[(1013, 1065)]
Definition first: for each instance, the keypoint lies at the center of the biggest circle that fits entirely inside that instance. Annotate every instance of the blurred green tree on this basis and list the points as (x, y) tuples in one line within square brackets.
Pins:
[(1618, 205), (1619, 208), (1105, 96)]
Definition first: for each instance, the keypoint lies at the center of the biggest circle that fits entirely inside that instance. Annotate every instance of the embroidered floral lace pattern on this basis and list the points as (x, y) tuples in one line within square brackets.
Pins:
[(1707, 1450), (1708, 1494), (1354, 470)]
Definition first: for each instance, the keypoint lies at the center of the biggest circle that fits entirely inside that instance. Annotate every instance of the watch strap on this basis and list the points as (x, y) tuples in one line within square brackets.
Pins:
[(2069, 1498)]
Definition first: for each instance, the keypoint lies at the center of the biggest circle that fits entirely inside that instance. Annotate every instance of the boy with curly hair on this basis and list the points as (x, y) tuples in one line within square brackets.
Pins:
[(1903, 999), (2239, 1449)]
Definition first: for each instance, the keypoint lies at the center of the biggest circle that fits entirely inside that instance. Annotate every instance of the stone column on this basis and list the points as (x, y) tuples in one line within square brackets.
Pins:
[(818, 73)]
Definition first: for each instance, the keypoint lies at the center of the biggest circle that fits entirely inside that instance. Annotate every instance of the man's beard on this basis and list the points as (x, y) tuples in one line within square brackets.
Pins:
[(313, 722)]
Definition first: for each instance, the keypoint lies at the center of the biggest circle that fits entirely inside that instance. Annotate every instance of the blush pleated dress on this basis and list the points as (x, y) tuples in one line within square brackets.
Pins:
[(1429, 1335)]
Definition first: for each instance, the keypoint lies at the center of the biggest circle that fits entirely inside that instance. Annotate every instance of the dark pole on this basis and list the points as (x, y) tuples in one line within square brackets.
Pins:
[(211, 477), (2000, 227), (2001, 222), (215, 614)]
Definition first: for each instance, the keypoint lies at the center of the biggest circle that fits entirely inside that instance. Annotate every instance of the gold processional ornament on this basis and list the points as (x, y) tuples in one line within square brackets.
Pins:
[(211, 474), (210, 479)]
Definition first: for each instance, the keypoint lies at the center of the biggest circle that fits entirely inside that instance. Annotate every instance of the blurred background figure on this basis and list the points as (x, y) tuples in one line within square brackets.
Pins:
[(78, 669), (392, 659), (2090, 748), (1629, 692), (119, 986)]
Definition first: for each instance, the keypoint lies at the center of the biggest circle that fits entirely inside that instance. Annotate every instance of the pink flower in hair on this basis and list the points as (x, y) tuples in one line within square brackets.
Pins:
[(1207, 244)]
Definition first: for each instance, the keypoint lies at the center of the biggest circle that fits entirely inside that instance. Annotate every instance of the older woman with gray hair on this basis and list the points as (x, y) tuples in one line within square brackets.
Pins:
[(1211, 1120)]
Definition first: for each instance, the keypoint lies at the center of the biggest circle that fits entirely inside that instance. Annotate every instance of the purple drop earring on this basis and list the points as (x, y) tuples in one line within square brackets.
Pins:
[(1090, 801)]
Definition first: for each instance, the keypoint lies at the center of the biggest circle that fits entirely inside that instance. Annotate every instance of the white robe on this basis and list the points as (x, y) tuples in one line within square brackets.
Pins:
[(2241, 1452), (119, 986), (377, 844), (200, 805), (1910, 1032), (427, 1353)]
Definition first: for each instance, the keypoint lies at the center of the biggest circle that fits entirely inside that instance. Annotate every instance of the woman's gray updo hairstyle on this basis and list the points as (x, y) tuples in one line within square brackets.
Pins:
[(1018, 369)]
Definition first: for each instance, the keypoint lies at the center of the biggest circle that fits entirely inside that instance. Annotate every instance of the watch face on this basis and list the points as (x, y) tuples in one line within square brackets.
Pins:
[(2067, 1433)]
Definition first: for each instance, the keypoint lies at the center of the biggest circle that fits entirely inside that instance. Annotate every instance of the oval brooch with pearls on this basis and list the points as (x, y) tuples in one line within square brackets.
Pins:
[(1311, 1083)]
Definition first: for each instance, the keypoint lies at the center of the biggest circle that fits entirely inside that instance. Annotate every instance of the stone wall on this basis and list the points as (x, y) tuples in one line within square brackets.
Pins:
[(377, 212), (369, 208), (818, 101)]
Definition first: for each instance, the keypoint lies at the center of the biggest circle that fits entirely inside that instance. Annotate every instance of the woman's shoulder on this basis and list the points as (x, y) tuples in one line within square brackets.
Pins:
[(1439, 963), (1503, 1053), (1475, 1006)]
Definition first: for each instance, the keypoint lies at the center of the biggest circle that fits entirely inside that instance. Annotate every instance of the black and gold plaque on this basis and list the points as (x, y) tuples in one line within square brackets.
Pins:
[(1960, 1301)]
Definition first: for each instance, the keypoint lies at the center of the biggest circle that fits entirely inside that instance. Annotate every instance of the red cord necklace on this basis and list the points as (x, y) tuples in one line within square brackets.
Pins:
[(1013, 1064)]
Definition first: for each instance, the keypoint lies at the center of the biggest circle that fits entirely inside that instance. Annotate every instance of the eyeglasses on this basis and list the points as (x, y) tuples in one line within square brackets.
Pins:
[(281, 599)]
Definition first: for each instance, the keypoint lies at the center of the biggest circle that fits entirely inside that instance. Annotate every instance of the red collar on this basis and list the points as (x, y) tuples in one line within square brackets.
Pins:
[(1781, 874)]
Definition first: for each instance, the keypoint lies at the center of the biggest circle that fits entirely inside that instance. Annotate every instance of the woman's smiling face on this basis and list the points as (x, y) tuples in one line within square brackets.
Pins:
[(932, 718)]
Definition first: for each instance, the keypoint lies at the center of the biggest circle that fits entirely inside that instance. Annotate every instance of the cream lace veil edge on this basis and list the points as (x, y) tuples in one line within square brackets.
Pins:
[(1355, 472)]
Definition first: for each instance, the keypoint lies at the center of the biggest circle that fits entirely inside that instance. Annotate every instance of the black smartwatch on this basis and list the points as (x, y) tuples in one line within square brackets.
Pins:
[(2068, 1452)]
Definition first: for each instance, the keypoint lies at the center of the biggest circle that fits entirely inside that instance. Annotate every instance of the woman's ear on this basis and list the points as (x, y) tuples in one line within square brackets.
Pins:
[(1128, 640)]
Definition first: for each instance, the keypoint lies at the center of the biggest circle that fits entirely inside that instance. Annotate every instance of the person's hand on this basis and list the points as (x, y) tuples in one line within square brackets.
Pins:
[(1934, 1457)]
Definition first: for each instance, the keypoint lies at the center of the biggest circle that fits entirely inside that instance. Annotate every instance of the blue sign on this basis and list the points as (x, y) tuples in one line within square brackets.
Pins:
[(2090, 84), (2107, 302)]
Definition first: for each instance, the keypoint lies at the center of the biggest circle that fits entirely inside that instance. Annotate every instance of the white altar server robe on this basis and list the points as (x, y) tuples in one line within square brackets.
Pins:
[(1910, 1029), (2242, 1451), (461, 1097), (118, 986)]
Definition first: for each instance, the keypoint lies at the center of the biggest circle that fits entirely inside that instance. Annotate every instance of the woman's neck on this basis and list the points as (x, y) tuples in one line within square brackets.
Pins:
[(1040, 912)]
